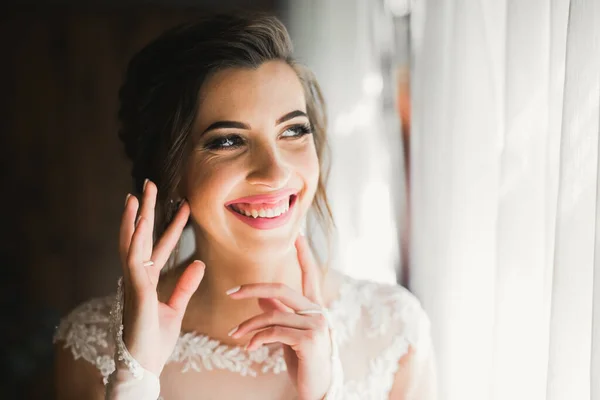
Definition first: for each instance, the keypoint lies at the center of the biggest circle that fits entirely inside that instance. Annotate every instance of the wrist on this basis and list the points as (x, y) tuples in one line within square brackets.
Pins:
[(123, 385)]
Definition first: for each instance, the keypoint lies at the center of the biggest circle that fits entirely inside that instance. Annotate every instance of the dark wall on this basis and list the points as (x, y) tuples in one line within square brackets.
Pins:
[(65, 176)]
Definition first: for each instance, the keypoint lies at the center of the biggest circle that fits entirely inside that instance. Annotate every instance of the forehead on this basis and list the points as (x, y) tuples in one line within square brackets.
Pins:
[(251, 95)]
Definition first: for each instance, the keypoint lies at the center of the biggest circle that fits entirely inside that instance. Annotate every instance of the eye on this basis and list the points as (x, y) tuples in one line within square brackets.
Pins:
[(297, 131), (225, 142)]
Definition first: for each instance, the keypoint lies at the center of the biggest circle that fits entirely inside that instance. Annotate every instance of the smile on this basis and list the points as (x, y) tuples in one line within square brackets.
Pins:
[(264, 211)]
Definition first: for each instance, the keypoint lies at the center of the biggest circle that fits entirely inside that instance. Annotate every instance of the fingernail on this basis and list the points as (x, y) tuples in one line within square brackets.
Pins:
[(233, 290), (127, 198), (202, 265), (137, 221), (149, 263), (302, 232), (145, 183), (234, 330)]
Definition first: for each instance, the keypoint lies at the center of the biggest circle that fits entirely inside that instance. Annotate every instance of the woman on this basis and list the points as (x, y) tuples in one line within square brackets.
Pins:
[(227, 133)]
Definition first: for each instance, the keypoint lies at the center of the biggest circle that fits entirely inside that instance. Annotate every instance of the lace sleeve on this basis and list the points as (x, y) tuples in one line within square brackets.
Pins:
[(85, 331), (379, 325), (422, 381)]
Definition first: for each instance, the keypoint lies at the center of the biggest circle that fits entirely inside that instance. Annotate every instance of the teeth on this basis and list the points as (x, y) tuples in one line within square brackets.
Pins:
[(268, 213)]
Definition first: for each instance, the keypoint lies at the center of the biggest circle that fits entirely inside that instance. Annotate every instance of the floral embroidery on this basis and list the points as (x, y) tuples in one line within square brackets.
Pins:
[(199, 351), (375, 311)]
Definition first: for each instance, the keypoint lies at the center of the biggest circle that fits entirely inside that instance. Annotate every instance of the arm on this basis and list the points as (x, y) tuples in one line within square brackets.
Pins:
[(75, 379), (416, 377)]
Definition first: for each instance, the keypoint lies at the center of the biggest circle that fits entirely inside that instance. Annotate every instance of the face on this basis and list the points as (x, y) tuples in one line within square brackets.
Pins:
[(253, 170)]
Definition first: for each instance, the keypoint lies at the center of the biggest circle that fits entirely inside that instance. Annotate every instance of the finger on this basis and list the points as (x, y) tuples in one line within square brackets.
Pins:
[(273, 318), (311, 274), (280, 334), (186, 286), (167, 242), (135, 258), (272, 305), (147, 212), (278, 291), (127, 227)]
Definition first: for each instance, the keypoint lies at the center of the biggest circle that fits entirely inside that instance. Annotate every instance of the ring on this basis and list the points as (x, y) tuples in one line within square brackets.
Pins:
[(307, 312)]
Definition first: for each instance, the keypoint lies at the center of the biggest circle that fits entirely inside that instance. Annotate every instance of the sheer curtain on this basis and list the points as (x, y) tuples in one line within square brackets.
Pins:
[(504, 197)]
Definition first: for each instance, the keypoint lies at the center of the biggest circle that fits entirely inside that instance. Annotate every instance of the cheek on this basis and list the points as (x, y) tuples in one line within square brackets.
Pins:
[(313, 172), (208, 184), (309, 169)]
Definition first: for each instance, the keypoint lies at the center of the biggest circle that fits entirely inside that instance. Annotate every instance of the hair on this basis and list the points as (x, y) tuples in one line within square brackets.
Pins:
[(159, 99)]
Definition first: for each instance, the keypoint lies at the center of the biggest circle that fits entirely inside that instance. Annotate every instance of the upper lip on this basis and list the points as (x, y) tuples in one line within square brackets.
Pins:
[(273, 197)]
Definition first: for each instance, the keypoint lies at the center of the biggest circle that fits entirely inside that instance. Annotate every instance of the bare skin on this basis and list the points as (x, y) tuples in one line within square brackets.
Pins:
[(270, 154), (274, 269)]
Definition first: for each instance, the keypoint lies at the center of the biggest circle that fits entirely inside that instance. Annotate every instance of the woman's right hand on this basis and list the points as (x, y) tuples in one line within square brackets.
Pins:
[(150, 327)]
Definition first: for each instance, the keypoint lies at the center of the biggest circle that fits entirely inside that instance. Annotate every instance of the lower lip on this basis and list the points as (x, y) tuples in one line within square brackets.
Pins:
[(266, 223)]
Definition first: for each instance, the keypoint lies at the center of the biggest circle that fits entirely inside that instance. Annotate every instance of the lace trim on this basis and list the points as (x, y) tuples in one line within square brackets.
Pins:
[(196, 351), (116, 326), (345, 311), (84, 334), (387, 305), (380, 379), (388, 308), (335, 391)]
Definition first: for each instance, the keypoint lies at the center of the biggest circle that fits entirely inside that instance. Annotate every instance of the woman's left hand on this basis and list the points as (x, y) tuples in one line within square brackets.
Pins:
[(305, 336)]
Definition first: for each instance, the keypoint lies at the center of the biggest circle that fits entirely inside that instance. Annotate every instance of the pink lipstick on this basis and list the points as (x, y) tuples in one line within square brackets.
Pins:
[(266, 211)]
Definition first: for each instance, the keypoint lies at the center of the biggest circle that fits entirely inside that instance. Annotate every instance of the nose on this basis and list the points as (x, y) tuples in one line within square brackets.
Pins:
[(268, 168)]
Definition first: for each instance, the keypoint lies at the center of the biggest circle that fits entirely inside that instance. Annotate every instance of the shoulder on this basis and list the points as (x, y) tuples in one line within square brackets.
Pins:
[(384, 329), (382, 310), (84, 335)]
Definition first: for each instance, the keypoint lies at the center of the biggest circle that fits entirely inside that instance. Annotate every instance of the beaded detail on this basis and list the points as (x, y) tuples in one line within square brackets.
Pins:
[(116, 322)]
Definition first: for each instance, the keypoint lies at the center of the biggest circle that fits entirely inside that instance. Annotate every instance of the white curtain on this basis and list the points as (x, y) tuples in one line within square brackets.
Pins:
[(504, 195)]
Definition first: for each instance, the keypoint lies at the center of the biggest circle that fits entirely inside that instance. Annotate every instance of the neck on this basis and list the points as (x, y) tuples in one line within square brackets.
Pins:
[(211, 311)]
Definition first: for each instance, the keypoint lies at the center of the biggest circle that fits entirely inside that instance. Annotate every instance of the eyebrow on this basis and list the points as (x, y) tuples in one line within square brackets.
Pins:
[(241, 125), (226, 124), (290, 115)]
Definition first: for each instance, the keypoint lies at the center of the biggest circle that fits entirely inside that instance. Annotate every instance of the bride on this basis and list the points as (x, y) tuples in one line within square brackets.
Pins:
[(226, 133)]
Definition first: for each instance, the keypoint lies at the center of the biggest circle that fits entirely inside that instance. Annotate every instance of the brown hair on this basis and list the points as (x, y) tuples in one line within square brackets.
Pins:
[(159, 98)]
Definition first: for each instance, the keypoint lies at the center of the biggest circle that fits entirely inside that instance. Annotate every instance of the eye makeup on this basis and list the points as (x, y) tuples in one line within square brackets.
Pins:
[(233, 141)]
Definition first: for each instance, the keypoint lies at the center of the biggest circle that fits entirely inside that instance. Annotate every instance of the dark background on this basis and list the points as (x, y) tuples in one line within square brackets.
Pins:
[(64, 173)]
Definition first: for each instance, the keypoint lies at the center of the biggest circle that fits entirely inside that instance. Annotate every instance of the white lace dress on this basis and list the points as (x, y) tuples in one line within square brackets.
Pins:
[(382, 332)]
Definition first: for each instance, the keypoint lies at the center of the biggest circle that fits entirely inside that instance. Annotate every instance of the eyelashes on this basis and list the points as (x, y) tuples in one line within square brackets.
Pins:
[(234, 141), (225, 142), (298, 130)]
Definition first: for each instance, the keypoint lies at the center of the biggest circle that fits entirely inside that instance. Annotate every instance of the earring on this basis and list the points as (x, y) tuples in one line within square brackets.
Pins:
[(175, 204)]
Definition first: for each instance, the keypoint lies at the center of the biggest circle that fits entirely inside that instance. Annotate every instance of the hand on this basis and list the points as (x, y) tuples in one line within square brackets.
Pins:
[(151, 328), (306, 337)]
